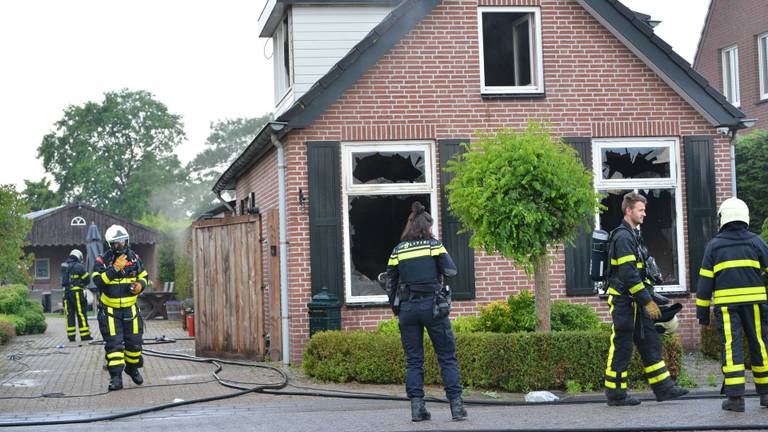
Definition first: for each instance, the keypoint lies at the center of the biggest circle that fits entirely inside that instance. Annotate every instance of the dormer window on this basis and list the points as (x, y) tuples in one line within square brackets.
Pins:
[(283, 59)]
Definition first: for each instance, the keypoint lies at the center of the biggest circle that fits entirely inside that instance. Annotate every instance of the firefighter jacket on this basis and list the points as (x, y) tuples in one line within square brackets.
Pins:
[(418, 265), (731, 271), (116, 285), (73, 275), (626, 272)]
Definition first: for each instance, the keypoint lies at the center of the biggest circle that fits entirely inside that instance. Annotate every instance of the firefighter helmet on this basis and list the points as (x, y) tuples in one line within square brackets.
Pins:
[(732, 210), (667, 327), (77, 254), (117, 238)]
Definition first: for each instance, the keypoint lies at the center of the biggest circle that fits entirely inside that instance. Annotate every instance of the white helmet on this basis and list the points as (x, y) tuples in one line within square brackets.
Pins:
[(77, 254), (667, 327), (117, 238), (733, 209)]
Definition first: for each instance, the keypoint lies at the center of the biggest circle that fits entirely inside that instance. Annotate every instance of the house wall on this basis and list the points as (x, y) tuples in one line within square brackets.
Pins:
[(736, 23), (428, 87)]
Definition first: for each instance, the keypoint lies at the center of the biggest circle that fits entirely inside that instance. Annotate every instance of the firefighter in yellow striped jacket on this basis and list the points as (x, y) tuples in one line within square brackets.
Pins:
[(120, 276), (73, 279), (731, 277)]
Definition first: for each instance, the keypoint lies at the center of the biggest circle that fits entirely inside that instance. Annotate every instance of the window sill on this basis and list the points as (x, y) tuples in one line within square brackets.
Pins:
[(762, 101), (492, 96), (367, 304)]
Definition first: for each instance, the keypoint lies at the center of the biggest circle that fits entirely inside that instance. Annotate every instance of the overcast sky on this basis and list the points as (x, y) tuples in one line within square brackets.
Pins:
[(204, 60)]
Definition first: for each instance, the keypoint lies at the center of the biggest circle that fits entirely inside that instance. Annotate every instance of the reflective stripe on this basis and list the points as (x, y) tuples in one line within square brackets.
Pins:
[(613, 336), (761, 380), (622, 260), (134, 354), (737, 263), (758, 327), (734, 368), (131, 360), (741, 299), (706, 273), (392, 261), (703, 303), (655, 367), (759, 369), (613, 385), (115, 362), (656, 379), (612, 373), (728, 337), (636, 288), (438, 250), (739, 291), (402, 256), (135, 320), (613, 291), (120, 302), (111, 322), (114, 355), (83, 320), (734, 381)]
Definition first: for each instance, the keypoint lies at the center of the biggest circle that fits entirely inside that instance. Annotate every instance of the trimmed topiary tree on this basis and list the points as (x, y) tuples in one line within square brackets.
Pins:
[(519, 194)]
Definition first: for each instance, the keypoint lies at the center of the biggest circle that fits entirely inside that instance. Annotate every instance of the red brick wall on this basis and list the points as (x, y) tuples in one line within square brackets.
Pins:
[(736, 22), (429, 83)]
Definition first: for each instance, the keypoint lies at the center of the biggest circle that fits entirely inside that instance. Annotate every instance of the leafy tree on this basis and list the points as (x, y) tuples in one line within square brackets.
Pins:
[(171, 232), (114, 154), (764, 234), (39, 195), (752, 175), (14, 263), (520, 194)]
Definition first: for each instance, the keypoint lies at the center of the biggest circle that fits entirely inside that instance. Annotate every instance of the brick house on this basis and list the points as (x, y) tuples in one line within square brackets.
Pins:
[(373, 98), (733, 54)]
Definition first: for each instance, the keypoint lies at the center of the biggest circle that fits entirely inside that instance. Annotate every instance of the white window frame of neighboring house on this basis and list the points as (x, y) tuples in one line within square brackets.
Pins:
[(535, 47), (733, 78), (77, 221), (762, 64), (350, 189), (47, 262), (283, 31), (673, 182)]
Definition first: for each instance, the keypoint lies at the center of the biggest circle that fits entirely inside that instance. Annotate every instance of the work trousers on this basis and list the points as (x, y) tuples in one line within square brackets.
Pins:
[(630, 326), (75, 309), (731, 321), (415, 316), (122, 330)]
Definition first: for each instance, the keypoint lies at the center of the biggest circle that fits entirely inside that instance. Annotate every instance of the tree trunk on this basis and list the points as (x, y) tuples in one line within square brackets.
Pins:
[(542, 293)]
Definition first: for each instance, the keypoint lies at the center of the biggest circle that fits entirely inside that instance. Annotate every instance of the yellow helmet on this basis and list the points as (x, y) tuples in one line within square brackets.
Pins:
[(732, 210)]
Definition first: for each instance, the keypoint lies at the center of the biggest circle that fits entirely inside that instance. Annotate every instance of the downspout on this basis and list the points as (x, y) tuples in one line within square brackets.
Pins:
[(733, 162), (226, 204), (283, 247)]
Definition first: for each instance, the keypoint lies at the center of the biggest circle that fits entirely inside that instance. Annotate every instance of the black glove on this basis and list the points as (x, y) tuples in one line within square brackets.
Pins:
[(702, 314)]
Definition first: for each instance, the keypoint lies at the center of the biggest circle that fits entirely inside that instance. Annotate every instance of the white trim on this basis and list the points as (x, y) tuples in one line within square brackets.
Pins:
[(77, 221), (762, 64), (732, 79), (381, 189), (535, 47), (673, 182), (47, 265)]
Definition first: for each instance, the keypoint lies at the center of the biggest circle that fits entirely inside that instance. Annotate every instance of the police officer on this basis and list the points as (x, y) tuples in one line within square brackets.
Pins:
[(120, 276), (633, 311), (414, 271), (731, 277), (73, 279)]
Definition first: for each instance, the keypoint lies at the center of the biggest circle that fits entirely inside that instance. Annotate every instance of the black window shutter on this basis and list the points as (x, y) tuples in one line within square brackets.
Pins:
[(325, 241), (577, 281), (463, 284), (700, 194)]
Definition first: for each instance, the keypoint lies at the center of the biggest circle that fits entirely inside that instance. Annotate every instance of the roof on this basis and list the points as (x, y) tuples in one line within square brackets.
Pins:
[(53, 227), (633, 29), (704, 30)]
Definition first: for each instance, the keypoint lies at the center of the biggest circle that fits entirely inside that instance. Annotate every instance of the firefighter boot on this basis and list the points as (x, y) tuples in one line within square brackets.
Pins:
[(86, 338), (135, 376), (625, 401), (764, 400), (115, 382), (734, 403), (419, 410), (457, 409), (673, 392)]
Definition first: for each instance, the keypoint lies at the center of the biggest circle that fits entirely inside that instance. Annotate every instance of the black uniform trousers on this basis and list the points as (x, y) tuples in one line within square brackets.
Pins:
[(122, 330), (631, 325), (75, 309), (731, 320), (415, 315)]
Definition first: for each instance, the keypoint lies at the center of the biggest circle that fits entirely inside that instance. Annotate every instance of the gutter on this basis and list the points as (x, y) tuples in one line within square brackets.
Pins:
[(281, 175)]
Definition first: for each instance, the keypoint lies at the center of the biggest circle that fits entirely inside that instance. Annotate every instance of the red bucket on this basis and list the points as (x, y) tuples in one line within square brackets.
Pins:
[(191, 324)]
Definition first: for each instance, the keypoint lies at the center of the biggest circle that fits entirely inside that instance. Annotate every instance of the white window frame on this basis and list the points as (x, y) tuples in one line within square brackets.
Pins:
[(673, 182), (535, 41), (77, 221), (733, 79), (278, 40), (47, 262), (762, 64), (350, 189)]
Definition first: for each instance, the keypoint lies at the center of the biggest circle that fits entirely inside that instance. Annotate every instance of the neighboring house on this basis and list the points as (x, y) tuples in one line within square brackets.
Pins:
[(373, 98), (56, 231), (733, 54)]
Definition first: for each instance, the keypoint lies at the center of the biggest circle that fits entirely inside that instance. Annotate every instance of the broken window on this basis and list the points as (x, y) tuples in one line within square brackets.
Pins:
[(388, 167), (635, 163)]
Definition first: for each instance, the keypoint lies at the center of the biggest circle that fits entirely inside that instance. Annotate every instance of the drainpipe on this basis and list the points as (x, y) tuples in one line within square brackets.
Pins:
[(283, 247), (226, 204)]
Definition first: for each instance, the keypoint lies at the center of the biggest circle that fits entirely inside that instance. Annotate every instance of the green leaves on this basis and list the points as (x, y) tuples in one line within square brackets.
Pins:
[(14, 263), (752, 175)]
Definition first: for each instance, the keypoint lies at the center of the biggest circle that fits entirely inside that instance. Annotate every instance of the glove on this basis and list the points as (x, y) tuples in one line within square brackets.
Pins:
[(136, 288), (658, 298), (702, 314), (120, 262), (653, 310)]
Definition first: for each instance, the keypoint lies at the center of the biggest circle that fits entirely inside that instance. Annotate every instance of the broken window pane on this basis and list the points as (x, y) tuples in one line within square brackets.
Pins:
[(375, 225), (388, 167), (636, 163), (507, 56)]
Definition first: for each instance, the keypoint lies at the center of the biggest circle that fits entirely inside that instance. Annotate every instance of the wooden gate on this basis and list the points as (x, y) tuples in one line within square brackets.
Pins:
[(228, 287)]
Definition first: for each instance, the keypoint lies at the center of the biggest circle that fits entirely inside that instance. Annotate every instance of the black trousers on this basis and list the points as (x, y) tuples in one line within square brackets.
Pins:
[(630, 325), (731, 321), (122, 330), (75, 309)]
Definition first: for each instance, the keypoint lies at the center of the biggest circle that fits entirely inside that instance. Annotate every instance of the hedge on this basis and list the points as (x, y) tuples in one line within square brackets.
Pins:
[(515, 362), (24, 315)]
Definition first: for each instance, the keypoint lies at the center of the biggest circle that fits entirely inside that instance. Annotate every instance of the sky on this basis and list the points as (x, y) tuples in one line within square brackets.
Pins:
[(203, 59)]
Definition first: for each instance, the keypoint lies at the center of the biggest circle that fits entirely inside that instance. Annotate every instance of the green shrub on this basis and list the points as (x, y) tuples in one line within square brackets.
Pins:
[(572, 316), (12, 299), (518, 314), (389, 327), (18, 322), (7, 331), (466, 324), (520, 361), (25, 315)]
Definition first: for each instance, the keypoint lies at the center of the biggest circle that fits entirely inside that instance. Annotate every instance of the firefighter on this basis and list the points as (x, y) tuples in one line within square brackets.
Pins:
[(120, 276), (731, 277), (73, 279), (633, 312), (414, 271)]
